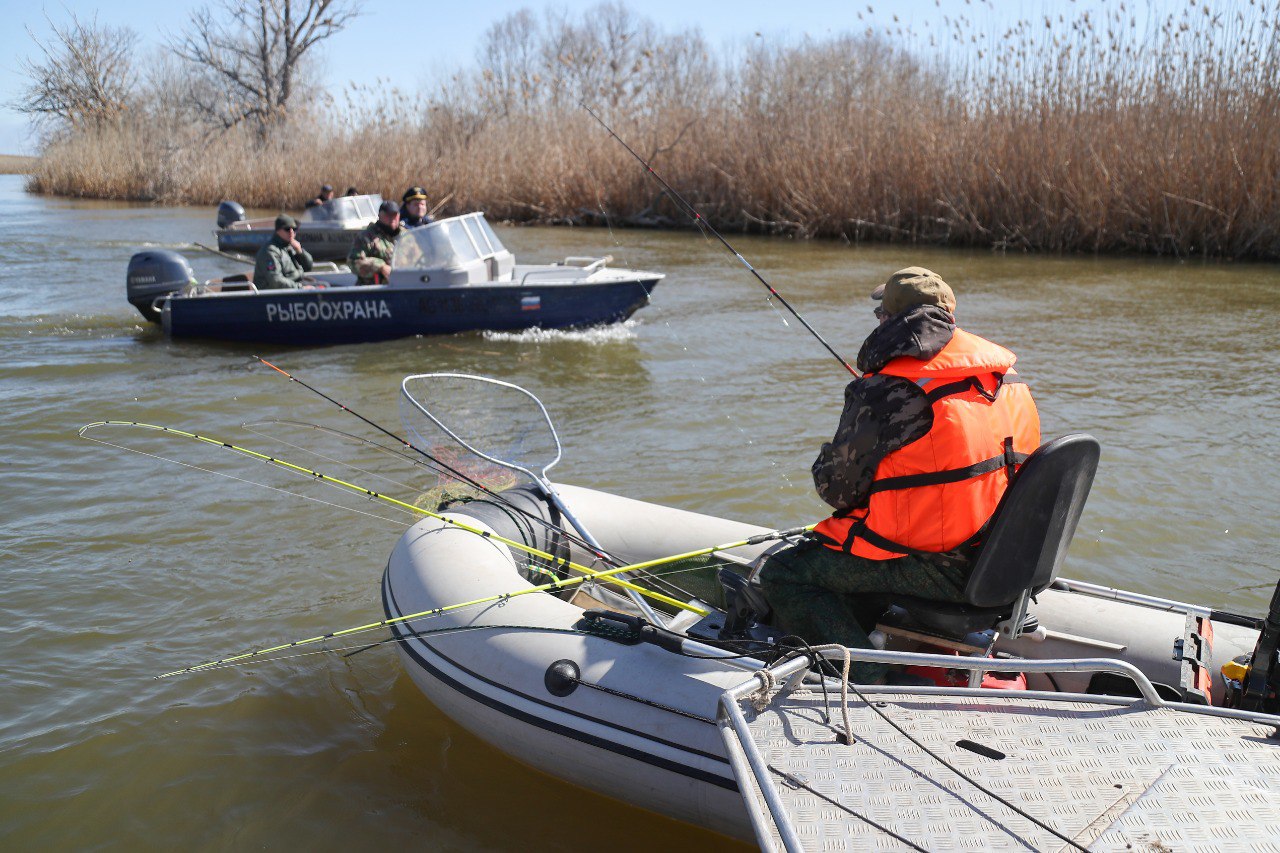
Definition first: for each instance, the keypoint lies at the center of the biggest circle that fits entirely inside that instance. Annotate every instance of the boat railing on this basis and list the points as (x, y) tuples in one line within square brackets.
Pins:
[(762, 690), (794, 670), (587, 262), (216, 286), (586, 265)]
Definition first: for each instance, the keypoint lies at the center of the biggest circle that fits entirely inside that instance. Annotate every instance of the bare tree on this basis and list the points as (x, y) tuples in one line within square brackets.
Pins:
[(250, 54), (85, 77)]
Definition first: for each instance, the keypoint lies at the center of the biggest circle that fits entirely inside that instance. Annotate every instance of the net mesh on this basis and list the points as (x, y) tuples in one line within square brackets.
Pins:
[(480, 426)]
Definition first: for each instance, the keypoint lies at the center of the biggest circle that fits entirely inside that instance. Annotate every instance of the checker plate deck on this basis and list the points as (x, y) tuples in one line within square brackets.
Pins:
[(1110, 777)]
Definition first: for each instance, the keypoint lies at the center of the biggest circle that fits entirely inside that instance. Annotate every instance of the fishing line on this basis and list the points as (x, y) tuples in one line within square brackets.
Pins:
[(501, 598), (414, 632), (445, 467), (399, 523), (372, 495), (702, 223), (847, 683), (798, 645), (269, 437)]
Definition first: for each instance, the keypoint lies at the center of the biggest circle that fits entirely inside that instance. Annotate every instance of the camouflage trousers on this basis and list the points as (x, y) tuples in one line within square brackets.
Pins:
[(826, 596)]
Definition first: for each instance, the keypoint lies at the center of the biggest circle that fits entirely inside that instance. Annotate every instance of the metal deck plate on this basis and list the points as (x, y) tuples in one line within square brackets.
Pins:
[(1109, 777)]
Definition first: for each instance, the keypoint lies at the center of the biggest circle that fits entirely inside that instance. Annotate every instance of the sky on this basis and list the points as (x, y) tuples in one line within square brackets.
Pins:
[(424, 40)]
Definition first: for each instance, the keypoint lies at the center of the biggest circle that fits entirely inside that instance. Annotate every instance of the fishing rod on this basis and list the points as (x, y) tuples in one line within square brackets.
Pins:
[(372, 495), (701, 222), (444, 467), (557, 585)]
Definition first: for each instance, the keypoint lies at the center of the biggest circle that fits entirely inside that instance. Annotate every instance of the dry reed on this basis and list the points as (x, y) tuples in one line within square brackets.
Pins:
[(1103, 135)]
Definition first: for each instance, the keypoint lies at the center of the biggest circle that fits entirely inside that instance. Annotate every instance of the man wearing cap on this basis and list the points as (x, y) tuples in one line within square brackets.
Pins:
[(929, 437), (413, 211), (326, 193), (370, 255), (282, 262)]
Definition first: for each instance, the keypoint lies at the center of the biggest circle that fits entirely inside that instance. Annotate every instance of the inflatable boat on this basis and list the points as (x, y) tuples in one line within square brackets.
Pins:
[(637, 703)]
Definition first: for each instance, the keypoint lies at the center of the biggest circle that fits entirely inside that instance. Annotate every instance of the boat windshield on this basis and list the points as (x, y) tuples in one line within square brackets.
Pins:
[(355, 209), (446, 244)]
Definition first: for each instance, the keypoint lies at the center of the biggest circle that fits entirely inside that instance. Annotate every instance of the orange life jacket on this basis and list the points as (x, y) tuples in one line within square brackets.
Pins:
[(938, 492)]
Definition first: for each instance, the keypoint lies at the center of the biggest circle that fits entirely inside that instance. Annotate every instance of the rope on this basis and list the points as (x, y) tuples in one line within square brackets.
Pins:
[(886, 830), (846, 686)]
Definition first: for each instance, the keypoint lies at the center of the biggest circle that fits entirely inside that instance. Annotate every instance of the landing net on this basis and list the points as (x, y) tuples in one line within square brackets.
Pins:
[(496, 433)]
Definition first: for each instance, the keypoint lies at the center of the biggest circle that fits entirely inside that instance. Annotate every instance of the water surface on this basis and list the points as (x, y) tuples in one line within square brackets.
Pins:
[(118, 566)]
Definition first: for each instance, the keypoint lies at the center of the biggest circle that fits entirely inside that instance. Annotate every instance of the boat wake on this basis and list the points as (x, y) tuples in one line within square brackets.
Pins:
[(596, 335)]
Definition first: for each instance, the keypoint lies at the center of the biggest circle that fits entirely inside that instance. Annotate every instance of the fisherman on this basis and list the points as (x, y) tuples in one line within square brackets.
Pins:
[(282, 262), (413, 209), (326, 193), (925, 447), (370, 255)]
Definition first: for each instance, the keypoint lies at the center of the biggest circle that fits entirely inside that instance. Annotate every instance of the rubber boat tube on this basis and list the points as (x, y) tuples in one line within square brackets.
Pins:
[(651, 741)]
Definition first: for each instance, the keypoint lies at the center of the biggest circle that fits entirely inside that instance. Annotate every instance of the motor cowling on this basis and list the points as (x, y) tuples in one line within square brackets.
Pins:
[(229, 212), (153, 274)]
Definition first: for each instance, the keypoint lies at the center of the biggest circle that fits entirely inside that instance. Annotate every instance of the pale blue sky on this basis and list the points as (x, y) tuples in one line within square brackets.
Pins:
[(413, 39)]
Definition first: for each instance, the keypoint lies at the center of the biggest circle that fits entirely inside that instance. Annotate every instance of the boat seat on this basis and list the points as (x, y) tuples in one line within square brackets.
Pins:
[(1025, 545)]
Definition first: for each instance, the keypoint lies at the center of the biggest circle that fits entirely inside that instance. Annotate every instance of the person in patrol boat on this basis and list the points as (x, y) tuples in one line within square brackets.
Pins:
[(282, 262), (370, 255), (326, 193), (413, 208), (929, 438)]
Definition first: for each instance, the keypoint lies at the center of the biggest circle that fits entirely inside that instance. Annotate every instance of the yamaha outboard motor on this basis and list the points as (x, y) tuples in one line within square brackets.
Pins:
[(229, 212), (153, 274)]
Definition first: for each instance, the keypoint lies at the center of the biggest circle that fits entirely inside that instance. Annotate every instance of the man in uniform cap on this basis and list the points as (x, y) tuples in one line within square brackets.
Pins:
[(370, 255), (929, 438), (282, 262), (413, 210)]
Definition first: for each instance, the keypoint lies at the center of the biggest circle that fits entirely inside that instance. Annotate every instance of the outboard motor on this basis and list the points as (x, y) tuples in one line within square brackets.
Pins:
[(229, 212), (1260, 676), (153, 274)]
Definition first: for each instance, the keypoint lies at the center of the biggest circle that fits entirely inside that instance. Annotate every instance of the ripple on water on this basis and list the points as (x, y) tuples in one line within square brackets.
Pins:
[(118, 566), (595, 335)]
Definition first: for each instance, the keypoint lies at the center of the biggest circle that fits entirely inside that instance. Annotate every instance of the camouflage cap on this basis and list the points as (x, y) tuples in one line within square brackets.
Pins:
[(284, 220), (915, 286)]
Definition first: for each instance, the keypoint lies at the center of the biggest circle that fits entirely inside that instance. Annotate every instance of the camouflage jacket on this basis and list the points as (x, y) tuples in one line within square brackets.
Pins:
[(372, 248), (277, 265), (881, 413)]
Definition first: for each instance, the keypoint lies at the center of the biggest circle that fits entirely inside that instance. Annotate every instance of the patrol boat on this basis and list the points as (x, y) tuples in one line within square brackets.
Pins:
[(453, 275), (1049, 714), (325, 230)]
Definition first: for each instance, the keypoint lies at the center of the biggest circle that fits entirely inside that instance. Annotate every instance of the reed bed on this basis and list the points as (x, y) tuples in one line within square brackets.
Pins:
[(1120, 134)]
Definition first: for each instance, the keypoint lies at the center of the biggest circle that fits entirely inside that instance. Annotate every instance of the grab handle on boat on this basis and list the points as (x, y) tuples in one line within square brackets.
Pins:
[(589, 264), (639, 627)]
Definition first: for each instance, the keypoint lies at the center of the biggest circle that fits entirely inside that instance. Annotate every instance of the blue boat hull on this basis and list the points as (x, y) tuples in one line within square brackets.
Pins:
[(341, 315)]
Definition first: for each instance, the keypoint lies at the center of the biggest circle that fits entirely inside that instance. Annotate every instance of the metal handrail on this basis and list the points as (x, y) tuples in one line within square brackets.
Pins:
[(745, 757)]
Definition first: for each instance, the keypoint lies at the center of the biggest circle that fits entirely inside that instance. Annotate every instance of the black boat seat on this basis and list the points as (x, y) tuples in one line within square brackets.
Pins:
[(1024, 548)]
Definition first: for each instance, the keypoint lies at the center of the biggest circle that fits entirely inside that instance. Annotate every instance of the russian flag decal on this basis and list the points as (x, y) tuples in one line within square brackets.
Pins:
[(530, 303)]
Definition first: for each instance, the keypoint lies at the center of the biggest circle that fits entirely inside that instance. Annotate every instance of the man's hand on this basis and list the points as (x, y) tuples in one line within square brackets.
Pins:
[(295, 245)]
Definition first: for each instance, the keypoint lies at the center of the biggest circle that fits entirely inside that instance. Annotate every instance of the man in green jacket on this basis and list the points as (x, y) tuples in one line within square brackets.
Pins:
[(282, 262)]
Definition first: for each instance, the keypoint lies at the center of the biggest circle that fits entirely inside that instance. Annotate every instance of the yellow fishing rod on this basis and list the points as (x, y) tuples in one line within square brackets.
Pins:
[(316, 475), (556, 586)]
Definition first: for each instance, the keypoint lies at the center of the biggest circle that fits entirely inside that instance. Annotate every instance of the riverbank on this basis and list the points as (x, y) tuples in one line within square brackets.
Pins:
[(18, 164), (1087, 135)]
